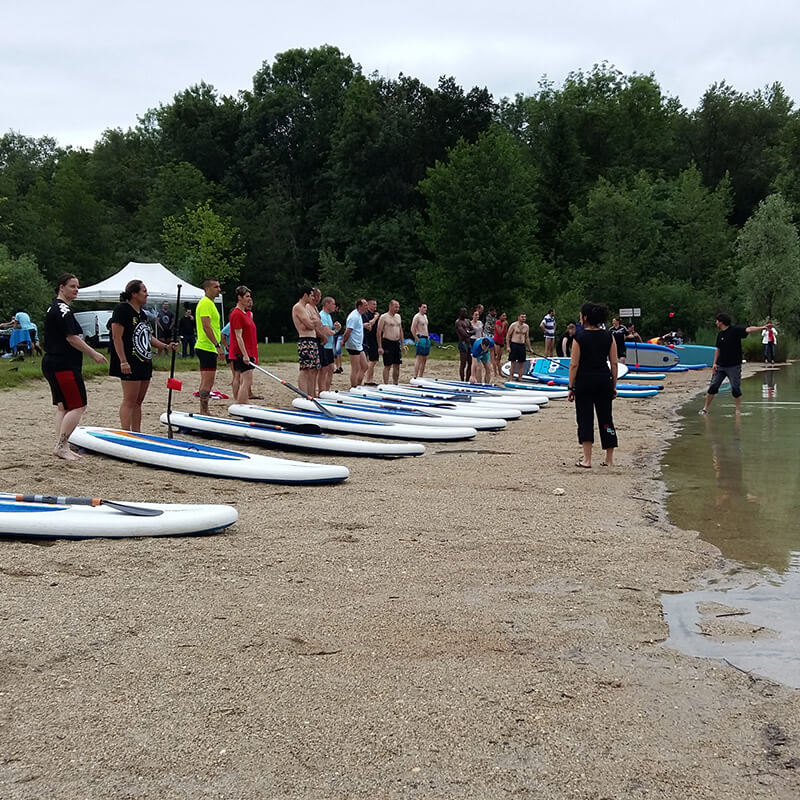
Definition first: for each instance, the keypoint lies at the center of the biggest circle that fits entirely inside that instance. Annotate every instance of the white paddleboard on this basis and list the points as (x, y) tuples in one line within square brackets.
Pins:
[(434, 404), (376, 404), (282, 437), (339, 424), (44, 520), (201, 459), (525, 405)]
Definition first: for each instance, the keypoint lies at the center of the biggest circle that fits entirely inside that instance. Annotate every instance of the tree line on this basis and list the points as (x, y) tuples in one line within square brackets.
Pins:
[(603, 188)]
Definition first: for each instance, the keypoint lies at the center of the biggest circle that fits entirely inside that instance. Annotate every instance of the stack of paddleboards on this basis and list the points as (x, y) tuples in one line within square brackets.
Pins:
[(48, 517), (555, 372)]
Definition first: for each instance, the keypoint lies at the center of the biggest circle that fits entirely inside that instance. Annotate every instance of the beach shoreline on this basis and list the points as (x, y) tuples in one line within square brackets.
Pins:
[(443, 626)]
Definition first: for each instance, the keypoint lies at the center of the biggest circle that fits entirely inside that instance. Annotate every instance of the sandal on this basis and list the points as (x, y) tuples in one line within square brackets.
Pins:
[(579, 463)]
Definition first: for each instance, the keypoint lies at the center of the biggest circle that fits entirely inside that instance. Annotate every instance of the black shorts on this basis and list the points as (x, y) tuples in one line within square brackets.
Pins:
[(371, 349), (140, 371), (239, 365), (354, 352), (516, 352), (207, 359), (325, 356), (391, 352), (66, 387)]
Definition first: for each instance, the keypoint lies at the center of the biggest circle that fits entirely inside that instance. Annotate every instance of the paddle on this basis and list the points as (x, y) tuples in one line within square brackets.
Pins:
[(125, 508), (300, 427), (288, 385), (171, 383)]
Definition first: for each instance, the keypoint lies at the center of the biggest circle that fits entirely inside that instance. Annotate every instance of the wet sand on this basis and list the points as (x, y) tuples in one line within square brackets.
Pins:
[(445, 626)]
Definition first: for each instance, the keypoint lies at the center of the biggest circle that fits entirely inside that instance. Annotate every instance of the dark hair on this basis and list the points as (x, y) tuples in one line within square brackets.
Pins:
[(304, 289), (131, 288), (208, 281), (594, 313), (724, 318), (64, 279), (241, 291)]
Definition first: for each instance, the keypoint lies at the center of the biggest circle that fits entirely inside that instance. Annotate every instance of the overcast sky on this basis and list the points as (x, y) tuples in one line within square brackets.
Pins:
[(73, 69)]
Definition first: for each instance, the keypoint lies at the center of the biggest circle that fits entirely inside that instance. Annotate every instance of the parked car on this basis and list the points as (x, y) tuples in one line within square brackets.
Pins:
[(96, 326)]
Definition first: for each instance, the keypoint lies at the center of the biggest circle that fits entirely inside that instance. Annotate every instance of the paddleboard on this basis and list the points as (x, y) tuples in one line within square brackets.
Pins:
[(435, 404), (486, 392), (408, 416), (696, 354), (398, 404), (364, 427), (650, 356), (63, 521), (282, 437), (184, 456), (553, 366), (633, 393), (481, 399)]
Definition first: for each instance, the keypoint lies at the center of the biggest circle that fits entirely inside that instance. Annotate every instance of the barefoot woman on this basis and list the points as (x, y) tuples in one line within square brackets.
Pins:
[(62, 363), (131, 353)]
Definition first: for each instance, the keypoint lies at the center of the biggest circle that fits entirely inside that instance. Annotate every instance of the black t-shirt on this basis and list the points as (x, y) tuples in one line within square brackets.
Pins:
[(595, 346), (187, 327), (60, 322), (135, 340), (370, 334), (619, 335), (166, 320), (729, 344)]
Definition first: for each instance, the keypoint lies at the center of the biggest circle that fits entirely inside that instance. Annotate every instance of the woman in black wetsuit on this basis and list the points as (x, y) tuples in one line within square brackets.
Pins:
[(593, 383)]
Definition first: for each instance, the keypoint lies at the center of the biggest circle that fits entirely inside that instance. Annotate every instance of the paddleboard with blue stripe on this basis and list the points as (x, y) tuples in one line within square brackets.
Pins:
[(201, 459)]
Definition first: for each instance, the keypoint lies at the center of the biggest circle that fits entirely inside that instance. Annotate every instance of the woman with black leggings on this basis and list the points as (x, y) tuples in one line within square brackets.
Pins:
[(593, 383)]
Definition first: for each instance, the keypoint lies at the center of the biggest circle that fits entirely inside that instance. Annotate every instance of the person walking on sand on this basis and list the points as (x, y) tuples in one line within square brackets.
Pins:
[(728, 359), (593, 383), (208, 348), (518, 342), (419, 330), (63, 361), (390, 342), (131, 353)]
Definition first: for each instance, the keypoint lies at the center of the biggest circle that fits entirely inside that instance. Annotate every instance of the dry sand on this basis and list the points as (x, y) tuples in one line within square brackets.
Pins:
[(438, 627)]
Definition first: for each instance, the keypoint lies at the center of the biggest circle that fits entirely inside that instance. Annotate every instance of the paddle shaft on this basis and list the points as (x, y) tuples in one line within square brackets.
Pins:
[(288, 385), (137, 511), (172, 363)]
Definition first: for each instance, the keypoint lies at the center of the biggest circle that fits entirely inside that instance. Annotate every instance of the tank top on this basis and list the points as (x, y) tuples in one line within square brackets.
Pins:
[(594, 351)]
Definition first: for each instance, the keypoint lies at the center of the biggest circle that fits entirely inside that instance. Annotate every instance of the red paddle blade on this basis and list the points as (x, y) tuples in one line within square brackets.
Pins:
[(174, 383)]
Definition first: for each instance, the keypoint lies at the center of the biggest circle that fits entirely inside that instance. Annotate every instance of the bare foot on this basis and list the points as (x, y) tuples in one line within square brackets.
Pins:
[(66, 454)]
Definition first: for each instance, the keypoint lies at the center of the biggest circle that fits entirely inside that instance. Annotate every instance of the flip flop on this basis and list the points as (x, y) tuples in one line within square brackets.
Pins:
[(579, 463)]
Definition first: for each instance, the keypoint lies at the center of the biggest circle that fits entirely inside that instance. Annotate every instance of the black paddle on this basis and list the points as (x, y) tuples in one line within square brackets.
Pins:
[(171, 381), (136, 511), (288, 385), (300, 427)]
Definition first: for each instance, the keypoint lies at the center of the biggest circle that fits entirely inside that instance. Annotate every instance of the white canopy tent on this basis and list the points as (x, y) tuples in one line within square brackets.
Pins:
[(162, 285)]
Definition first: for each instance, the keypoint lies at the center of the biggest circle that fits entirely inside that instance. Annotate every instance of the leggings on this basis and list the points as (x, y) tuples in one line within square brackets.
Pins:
[(594, 394)]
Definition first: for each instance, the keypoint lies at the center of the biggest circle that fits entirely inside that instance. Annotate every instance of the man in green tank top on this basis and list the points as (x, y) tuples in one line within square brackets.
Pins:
[(208, 348)]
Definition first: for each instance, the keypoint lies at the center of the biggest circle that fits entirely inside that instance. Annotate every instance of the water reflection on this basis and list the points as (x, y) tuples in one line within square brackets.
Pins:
[(734, 479)]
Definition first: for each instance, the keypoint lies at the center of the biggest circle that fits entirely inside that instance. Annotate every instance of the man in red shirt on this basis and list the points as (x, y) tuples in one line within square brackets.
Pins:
[(243, 351)]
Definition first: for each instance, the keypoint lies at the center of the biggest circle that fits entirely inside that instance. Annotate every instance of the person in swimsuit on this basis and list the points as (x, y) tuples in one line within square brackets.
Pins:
[(518, 342), (310, 331), (353, 342), (500, 331), (464, 333), (419, 330), (390, 342), (131, 353), (482, 355)]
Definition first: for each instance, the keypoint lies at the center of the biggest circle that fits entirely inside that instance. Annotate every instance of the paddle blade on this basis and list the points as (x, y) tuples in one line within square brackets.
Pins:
[(174, 383)]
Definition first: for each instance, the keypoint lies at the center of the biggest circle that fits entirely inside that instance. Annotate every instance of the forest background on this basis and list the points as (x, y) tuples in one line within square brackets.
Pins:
[(603, 188)]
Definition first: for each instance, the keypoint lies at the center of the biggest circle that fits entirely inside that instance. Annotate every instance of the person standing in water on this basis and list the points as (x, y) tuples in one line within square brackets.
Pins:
[(728, 359)]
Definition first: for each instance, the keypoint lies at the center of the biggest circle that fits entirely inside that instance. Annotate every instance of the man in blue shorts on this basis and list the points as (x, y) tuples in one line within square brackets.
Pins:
[(728, 359)]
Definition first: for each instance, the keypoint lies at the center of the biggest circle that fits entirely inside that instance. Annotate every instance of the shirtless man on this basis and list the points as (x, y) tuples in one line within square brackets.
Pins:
[(419, 330), (518, 340), (464, 334), (390, 340), (309, 329)]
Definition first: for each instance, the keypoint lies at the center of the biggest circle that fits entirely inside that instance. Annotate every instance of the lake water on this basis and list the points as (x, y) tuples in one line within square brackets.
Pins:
[(735, 479)]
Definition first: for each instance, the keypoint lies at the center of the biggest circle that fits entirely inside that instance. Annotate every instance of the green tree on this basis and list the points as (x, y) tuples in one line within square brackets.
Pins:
[(480, 227), (768, 257), (22, 286), (200, 244)]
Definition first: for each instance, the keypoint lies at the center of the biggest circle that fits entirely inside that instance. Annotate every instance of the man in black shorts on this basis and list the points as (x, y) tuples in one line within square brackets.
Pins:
[(370, 319), (390, 338)]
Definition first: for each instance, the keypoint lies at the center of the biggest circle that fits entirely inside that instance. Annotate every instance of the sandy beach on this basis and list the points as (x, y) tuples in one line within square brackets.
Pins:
[(447, 626)]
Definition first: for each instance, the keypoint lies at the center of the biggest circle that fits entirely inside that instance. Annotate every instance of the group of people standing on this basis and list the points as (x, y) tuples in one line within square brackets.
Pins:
[(367, 336)]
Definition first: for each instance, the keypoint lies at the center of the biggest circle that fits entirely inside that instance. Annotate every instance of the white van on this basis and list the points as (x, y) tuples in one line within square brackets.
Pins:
[(95, 326)]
